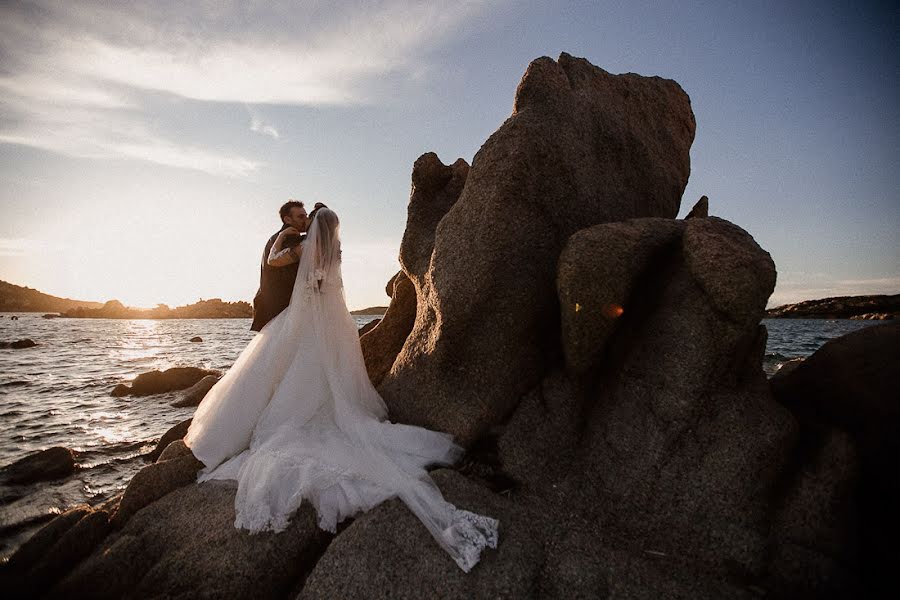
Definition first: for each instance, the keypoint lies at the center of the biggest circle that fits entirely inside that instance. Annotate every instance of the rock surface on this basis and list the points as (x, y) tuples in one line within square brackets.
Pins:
[(52, 463), (195, 394), (851, 384), (582, 147), (368, 327), (176, 432), (185, 545), (159, 382), (381, 345), (155, 481), (700, 210), (19, 344)]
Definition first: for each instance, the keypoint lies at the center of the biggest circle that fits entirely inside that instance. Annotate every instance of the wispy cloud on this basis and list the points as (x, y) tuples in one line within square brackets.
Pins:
[(257, 125), (76, 77)]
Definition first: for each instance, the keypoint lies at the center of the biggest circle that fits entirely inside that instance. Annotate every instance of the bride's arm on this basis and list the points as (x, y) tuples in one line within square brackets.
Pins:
[(279, 257)]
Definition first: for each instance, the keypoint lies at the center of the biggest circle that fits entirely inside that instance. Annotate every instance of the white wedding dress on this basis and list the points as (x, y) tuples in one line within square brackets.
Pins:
[(296, 418)]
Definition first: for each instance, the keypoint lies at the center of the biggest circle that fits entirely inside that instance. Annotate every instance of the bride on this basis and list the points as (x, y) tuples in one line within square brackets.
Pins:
[(296, 418)]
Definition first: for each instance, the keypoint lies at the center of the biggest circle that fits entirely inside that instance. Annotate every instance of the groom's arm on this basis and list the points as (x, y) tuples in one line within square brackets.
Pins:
[(280, 256)]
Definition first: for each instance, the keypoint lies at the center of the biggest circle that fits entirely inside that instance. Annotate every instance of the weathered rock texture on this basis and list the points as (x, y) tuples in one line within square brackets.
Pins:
[(851, 384), (186, 545), (51, 463), (582, 147), (174, 433), (159, 382), (381, 345), (700, 210), (195, 394)]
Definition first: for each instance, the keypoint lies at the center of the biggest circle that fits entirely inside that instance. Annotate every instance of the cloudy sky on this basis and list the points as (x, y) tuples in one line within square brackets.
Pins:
[(146, 148)]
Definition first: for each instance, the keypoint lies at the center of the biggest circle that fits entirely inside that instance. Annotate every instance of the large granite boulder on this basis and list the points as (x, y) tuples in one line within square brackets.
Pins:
[(851, 384), (185, 545), (435, 188), (597, 272), (672, 421), (155, 481), (582, 147), (387, 553), (53, 551)]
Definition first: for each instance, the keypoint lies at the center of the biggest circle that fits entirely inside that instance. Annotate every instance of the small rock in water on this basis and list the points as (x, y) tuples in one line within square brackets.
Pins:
[(120, 390), (18, 344), (52, 463), (158, 382), (196, 338)]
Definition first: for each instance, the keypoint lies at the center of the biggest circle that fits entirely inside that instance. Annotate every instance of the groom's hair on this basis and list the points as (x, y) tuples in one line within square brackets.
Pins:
[(285, 209)]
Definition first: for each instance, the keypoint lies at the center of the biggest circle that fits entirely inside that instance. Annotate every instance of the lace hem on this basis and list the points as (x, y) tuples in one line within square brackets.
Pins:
[(468, 535)]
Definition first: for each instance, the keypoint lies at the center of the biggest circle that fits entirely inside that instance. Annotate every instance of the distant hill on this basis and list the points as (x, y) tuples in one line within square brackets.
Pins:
[(15, 298), (204, 309), (840, 307), (372, 310)]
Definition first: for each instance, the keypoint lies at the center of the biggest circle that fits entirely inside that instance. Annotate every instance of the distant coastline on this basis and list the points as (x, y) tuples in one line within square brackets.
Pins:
[(372, 310), (203, 309), (876, 307), (16, 298)]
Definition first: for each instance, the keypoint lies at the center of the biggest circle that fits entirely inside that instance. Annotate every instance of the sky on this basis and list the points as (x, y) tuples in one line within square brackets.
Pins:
[(145, 149)]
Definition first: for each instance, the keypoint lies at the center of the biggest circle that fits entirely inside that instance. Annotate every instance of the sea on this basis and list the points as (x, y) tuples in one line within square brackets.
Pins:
[(58, 394)]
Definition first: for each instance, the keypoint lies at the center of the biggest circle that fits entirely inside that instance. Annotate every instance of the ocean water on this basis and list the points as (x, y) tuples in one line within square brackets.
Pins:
[(58, 394)]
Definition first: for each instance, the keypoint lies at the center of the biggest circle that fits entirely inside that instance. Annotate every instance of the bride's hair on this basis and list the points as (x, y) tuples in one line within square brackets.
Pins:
[(324, 234)]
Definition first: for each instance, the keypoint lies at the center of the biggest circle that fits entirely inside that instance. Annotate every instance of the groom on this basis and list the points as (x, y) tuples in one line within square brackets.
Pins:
[(277, 283)]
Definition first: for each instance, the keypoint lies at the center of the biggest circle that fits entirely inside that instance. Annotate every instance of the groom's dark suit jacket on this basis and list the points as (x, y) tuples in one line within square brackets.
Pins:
[(275, 284)]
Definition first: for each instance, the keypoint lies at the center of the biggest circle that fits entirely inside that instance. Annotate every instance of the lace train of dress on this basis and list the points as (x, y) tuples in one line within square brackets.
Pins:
[(296, 418)]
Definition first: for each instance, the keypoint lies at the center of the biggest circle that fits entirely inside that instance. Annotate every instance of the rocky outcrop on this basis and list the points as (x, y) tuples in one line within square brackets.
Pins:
[(878, 307), (582, 147), (53, 551), (159, 382), (597, 275), (52, 463), (368, 327), (850, 384), (196, 338), (195, 394), (382, 344), (155, 481), (185, 545), (175, 433), (700, 210)]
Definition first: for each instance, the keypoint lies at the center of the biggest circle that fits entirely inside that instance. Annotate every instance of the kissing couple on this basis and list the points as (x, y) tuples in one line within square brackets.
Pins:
[(296, 417)]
